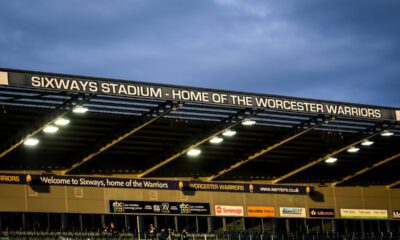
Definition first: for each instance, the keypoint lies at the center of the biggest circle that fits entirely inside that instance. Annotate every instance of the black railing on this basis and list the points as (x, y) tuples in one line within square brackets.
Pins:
[(67, 235)]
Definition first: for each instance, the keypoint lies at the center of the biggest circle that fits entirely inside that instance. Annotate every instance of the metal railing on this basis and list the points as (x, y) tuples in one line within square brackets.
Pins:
[(79, 235)]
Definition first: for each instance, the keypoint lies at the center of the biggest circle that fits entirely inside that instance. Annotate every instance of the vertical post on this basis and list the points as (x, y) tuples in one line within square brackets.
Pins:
[(81, 221), (274, 226), (287, 223), (224, 224), (262, 226), (379, 226), (64, 221), (103, 219), (155, 222), (210, 227), (322, 226), (48, 221), (176, 223), (362, 226), (138, 226), (126, 220), (197, 225), (388, 226), (23, 221), (333, 225)]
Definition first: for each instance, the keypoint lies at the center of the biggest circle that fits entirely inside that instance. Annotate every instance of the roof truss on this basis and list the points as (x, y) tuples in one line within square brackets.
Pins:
[(223, 125), (293, 133), (146, 119), (35, 128), (370, 132), (386, 160)]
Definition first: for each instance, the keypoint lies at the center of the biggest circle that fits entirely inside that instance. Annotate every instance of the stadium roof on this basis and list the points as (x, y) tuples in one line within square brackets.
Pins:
[(146, 130)]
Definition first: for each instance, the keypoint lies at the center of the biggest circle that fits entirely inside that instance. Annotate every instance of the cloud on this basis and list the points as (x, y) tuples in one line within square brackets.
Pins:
[(338, 50)]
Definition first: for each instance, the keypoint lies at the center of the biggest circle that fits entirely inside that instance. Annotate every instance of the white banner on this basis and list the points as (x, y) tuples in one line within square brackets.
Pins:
[(364, 213), (292, 212), (221, 210)]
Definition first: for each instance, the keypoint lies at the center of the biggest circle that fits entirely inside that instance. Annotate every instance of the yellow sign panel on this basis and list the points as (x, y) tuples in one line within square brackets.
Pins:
[(3, 78), (259, 211), (398, 115)]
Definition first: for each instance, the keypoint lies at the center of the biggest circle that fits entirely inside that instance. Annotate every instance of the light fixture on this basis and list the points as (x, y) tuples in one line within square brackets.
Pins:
[(194, 152), (31, 142), (353, 149), (229, 133), (248, 122), (80, 109), (367, 143), (386, 133), (216, 140), (50, 129), (331, 160), (62, 122)]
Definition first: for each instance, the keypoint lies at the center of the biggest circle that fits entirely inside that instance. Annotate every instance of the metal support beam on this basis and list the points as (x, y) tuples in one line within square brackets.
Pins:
[(35, 128), (277, 144), (393, 184), (225, 124), (331, 154), (146, 119), (386, 160)]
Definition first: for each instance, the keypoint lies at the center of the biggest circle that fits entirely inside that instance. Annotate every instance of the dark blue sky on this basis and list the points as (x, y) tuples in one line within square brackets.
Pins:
[(337, 50)]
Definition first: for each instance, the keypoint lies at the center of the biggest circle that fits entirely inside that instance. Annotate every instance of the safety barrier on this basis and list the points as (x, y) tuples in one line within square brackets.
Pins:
[(42, 235)]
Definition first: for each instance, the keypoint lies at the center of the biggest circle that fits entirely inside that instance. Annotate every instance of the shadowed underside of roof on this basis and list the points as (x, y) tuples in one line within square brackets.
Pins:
[(151, 137)]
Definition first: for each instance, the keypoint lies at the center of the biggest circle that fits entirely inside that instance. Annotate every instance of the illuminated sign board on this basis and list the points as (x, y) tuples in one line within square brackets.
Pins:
[(364, 213), (292, 212), (136, 89), (260, 211), (180, 208), (233, 211)]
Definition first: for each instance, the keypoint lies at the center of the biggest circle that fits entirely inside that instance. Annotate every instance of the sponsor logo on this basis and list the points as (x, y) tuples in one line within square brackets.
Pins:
[(259, 211), (218, 209), (396, 213), (159, 207), (221, 210), (322, 212), (184, 208), (165, 207), (292, 212), (156, 208), (118, 207), (364, 213)]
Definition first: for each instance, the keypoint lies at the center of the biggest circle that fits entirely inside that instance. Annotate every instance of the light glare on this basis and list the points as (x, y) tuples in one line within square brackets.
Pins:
[(62, 122), (216, 140), (80, 109), (367, 143), (50, 129), (31, 142), (194, 152), (386, 133), (353, 149), (331, 160), (248, 122), (229, 133)]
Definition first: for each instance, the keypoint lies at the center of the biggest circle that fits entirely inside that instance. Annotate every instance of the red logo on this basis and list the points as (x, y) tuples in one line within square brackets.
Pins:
[(219, 209)]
